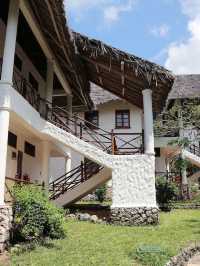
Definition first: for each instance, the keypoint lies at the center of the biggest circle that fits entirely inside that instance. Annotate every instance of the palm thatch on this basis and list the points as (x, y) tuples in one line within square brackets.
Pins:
[(123, 74)]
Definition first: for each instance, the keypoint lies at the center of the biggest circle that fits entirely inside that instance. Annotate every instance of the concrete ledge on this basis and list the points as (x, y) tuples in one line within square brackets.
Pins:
[(135, 216)]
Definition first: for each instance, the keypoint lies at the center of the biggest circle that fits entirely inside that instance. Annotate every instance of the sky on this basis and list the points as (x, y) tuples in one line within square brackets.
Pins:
[(166, 32)]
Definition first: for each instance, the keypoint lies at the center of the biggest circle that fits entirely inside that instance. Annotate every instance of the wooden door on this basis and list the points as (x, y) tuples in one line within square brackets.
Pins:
[(19, 164)]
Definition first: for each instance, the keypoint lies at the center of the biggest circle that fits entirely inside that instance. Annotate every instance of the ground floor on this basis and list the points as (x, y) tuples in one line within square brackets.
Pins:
[(28, 155), (95, 244)]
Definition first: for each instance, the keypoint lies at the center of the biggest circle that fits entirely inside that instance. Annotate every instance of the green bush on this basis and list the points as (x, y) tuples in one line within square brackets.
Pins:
[(166, 192), (35, 217), (100, 193)]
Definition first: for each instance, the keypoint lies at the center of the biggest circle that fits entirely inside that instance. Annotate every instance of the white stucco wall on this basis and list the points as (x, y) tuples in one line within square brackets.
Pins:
[(31, 165), (133, 180), (56, 167), (107, 116)]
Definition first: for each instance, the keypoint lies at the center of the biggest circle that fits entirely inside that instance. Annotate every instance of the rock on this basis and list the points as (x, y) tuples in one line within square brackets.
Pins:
[(134, 216), (94, 219), (71, 216), (84, 217)]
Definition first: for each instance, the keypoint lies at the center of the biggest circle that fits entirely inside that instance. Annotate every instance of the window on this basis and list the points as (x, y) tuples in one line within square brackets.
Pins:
[(12, 140), (18, 62), (93, 118), (122, 119), (29, 149), (33, 82), (157, 152)]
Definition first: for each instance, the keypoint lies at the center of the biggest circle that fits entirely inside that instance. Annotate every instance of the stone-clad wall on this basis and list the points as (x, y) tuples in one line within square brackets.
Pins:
[(134, 216), (6, 218)]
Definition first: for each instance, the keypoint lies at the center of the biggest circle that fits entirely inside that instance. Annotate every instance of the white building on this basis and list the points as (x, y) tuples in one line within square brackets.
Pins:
[(117, 115), (45, 81)]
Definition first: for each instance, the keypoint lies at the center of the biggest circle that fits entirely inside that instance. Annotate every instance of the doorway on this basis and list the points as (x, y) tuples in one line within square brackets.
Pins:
[(19, 164)]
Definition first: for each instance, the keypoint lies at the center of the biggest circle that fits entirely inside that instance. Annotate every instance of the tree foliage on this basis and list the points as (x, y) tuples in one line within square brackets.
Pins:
[(182, 114)]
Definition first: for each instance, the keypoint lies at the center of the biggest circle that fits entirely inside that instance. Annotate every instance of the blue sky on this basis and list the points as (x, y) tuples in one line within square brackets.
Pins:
[(163, 31)]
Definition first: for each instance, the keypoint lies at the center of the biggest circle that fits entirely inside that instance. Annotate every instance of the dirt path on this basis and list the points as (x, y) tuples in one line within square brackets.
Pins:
[(194, 261), (5, 259)]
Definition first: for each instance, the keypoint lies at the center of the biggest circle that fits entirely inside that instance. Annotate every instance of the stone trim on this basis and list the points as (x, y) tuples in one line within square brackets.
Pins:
[(135, 216), (6, 218), (184, 256)]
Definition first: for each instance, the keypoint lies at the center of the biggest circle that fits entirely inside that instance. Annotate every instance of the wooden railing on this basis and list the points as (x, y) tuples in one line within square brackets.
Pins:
[(110, 142), (25, 88), (73, 178)]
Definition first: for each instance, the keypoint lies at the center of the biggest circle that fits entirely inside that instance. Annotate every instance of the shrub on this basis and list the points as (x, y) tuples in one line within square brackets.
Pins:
[(100, 193), (35, 217), (151, 255), (165, 193)]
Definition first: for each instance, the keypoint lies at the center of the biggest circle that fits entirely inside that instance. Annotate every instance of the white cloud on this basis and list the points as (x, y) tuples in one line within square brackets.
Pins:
[(160, 31), (112, 13), (110, 10), (184, 57)]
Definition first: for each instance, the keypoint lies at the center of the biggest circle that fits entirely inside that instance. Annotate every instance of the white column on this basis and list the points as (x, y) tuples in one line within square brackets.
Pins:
[(45, 163), (4, 125), (10, 42), (68, 163), (49, 81), (148, 122)]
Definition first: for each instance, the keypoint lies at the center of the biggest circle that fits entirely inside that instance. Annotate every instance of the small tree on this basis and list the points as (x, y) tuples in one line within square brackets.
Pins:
[(100, 193), (181, 165), (165, 193), (35, 217)]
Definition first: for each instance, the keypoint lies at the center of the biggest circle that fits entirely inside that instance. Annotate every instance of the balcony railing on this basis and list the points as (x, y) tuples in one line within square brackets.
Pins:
[(111, 142), (25, 88)]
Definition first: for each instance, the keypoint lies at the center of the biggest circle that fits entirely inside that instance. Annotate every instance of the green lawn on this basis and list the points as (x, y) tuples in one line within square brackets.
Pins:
[(100, 245)]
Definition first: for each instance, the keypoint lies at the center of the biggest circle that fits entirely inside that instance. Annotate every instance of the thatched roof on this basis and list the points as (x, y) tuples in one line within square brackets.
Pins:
[(185, 87), (50, 16), (123, 74), (100, 96)]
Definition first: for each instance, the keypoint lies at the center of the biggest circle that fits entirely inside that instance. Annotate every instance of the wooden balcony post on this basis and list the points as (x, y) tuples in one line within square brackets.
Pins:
[(113, 141), (81, 130), (82, 172)]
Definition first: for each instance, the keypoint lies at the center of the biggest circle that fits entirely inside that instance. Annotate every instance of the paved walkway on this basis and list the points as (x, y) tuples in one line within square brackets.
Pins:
[(194, 261)]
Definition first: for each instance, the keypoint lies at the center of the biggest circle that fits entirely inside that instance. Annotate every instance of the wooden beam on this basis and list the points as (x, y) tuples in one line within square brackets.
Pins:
[(99, 77), (116, 72), (123, 78), (32, 22)]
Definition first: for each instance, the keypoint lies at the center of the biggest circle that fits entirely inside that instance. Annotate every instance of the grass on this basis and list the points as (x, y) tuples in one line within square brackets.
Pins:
[(102, 245)]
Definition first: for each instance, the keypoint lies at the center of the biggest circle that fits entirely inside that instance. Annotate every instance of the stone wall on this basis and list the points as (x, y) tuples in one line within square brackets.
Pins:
[(184, 256), (134, 216), (6, 218)]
